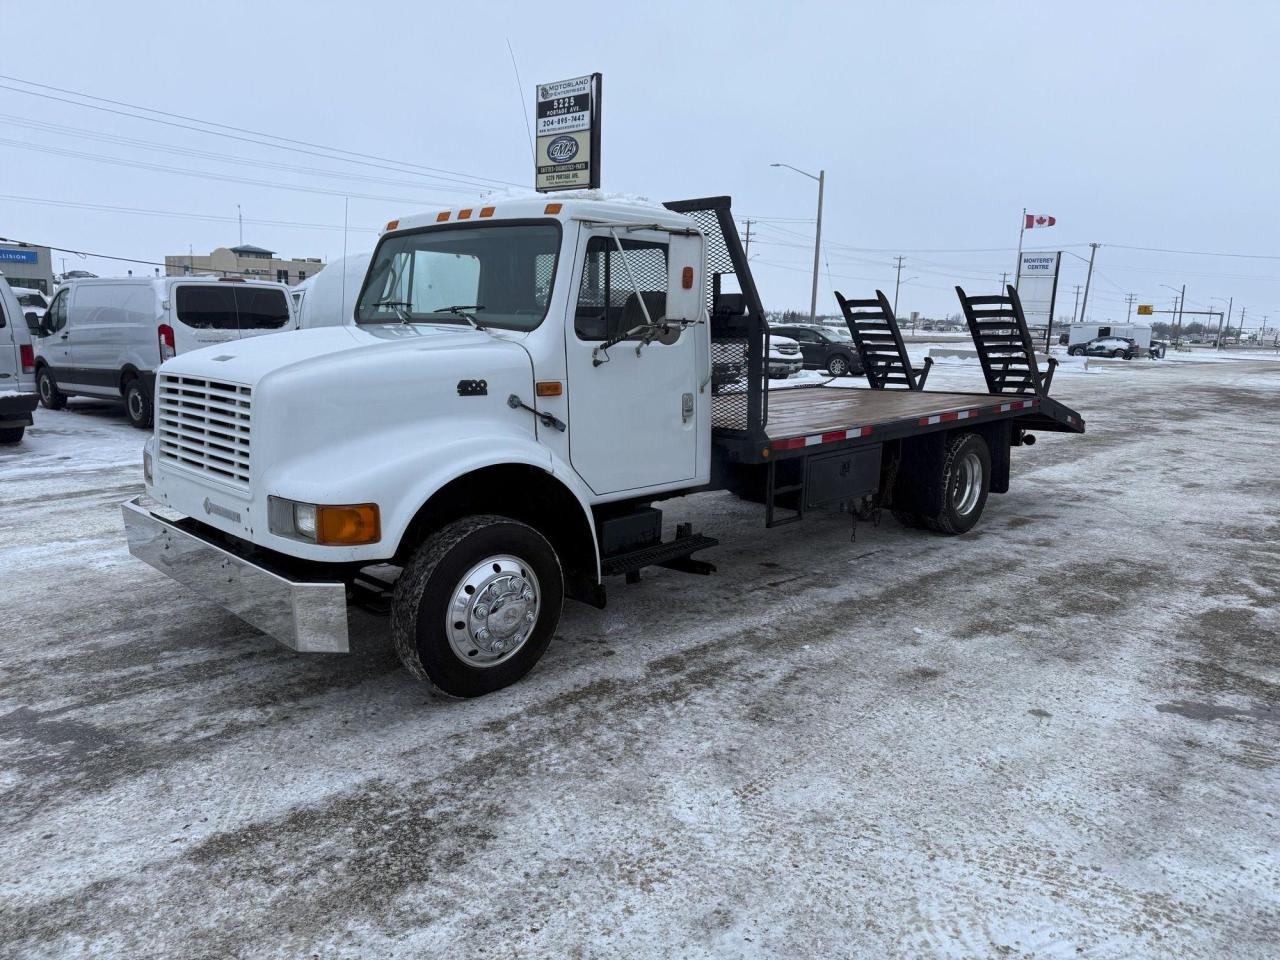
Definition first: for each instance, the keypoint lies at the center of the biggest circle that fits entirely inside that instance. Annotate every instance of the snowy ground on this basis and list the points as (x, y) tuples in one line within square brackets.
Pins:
[(1053, 737)]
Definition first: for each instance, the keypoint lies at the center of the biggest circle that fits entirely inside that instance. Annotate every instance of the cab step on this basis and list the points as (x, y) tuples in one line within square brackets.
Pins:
[(674, 555)]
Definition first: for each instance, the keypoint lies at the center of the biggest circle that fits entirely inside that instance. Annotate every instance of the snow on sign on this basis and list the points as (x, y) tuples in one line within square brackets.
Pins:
[(568, 146)]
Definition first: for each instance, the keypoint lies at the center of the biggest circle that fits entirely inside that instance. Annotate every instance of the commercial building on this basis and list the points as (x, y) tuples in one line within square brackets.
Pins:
[(244, 261), (25, 266)]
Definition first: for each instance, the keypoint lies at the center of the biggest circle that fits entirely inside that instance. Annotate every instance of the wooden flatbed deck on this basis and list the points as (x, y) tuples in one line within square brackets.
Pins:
[(804, 417)]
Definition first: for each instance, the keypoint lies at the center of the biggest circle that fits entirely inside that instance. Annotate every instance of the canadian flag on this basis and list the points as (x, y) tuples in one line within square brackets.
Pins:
[(1040, 220)]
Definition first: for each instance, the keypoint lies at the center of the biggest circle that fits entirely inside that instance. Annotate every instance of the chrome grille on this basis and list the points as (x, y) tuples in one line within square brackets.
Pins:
[(203, 425)]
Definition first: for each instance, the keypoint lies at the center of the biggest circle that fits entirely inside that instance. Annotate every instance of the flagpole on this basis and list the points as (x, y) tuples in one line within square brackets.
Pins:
[(1017, 271)]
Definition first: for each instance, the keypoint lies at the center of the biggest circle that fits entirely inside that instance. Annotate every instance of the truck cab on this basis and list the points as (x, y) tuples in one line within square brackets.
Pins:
[(531, 360)]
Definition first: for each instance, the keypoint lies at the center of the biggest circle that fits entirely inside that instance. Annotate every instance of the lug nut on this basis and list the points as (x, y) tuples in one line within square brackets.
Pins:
[(526, 593), (482, 611), (482, 634)]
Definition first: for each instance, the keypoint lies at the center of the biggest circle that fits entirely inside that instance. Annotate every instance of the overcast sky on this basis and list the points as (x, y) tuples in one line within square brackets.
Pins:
[(1136, 124)]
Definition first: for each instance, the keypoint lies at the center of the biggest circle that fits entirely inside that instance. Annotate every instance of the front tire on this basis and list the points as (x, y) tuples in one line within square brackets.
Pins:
[(477, 604), (51, 398), (838, 366), (137, 404)]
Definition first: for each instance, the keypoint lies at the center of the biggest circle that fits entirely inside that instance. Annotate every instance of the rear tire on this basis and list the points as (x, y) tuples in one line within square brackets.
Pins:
[(960, 493), (12, 434), (137, 404), (473, 574), (51, 398), (1076, 351), (1119, 355)]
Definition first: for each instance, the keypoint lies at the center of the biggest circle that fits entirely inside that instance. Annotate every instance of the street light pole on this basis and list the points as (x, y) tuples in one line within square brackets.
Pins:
[(817, 236), (896, 284)]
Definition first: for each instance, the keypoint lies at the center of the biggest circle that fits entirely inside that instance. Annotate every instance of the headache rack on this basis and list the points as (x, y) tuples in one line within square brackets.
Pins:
[(739, 331)]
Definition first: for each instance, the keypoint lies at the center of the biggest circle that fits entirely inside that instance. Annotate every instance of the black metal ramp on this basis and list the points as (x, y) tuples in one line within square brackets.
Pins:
[(1008, 357), (875, 333)]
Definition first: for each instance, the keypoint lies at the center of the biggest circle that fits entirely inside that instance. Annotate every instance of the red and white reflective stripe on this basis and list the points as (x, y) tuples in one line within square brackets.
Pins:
[(813, 440), (1017, 405), (947, 417)]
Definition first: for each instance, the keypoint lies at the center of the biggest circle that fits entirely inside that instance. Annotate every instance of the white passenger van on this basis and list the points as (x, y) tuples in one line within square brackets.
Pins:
[(105, 337)]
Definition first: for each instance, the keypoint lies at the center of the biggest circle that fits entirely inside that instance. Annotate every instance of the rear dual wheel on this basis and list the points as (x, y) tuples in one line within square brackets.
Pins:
[(477, 604), (952, 492)]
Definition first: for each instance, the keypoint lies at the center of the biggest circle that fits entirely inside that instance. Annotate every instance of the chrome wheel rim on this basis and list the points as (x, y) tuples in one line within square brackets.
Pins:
[(493, 611), (135, 404), (968, 485)]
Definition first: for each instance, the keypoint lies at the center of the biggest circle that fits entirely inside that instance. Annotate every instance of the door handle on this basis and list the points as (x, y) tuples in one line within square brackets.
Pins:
[(686, 407)]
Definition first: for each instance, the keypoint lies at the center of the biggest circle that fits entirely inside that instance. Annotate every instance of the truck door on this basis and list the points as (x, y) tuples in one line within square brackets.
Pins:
[(633, 409)]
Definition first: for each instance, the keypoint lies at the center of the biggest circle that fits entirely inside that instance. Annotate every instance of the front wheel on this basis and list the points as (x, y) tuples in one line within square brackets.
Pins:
[(51, 398), (1076, 352), (476, 605), (837, 366), (137, 404)]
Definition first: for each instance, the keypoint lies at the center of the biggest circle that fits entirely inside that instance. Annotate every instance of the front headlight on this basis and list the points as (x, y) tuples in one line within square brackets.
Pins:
[(329, 525)]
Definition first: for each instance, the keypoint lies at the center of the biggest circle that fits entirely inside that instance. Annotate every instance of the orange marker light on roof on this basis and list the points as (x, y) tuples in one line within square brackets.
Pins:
[(464, 213), (486, 211), (552, 208), (442, 216), (392, 224)]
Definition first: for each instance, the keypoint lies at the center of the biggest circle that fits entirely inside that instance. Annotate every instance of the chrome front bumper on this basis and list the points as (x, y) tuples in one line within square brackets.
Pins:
[(307, 617)]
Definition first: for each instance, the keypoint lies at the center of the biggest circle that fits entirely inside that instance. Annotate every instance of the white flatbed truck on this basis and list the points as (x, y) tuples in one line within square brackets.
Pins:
[(518, 385)]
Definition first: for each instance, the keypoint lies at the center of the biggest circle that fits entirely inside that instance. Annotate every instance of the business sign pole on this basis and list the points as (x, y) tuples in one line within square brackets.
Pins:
[(568, 128)]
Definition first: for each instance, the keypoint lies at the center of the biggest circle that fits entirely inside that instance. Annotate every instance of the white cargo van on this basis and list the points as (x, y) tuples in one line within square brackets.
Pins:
[(105, 337), (17, 368), (328, 298)]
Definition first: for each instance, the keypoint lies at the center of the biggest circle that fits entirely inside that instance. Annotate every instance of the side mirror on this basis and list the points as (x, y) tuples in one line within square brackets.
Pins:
[(33, 321)]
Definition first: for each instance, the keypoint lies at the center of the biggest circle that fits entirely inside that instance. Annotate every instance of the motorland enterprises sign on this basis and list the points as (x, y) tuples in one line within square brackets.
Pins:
[(568, 145)]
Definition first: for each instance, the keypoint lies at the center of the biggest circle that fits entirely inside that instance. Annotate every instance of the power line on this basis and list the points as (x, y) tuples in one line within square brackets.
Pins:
[(107, 256), (284, 143), (209, 175), (176, 150), (178, 215)]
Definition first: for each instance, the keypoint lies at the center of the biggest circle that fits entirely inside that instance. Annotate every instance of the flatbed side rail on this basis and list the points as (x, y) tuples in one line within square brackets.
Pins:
[(739, 330)]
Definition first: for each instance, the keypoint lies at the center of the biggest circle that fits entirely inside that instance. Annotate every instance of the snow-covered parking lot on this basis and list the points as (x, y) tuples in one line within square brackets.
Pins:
[(1053, 737)]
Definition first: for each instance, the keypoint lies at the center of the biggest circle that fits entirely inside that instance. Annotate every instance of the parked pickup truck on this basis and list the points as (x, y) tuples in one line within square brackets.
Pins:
[(518, 385)]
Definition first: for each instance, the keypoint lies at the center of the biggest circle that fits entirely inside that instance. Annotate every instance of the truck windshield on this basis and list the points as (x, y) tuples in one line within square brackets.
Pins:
[(499, 273)]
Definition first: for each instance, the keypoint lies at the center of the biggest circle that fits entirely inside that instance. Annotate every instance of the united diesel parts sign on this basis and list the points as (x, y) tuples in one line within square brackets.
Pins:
[(568, 147)]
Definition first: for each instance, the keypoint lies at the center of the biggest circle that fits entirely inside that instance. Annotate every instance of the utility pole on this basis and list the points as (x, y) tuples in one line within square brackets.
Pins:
[(1182, 305), (896, 284), (1004, 281), (240, 217), (1075, 306), (1242, 312), (1230, 303), (1128, 299), (1088, 279), (747, 251), (817, 247)]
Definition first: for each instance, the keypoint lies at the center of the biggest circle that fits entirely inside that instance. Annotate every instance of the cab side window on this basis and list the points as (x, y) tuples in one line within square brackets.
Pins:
[(608, 304)]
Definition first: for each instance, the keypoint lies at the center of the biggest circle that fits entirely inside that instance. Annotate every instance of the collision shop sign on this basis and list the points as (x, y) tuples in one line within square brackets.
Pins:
[(568, 128), (18, 256)]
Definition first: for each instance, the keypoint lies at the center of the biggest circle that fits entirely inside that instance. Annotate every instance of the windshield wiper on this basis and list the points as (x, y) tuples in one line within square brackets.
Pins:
[(399, 306), (461, 310)]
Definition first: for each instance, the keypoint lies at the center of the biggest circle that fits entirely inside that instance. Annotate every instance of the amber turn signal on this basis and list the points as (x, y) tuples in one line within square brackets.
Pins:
[(348, 525), (548, 388)]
